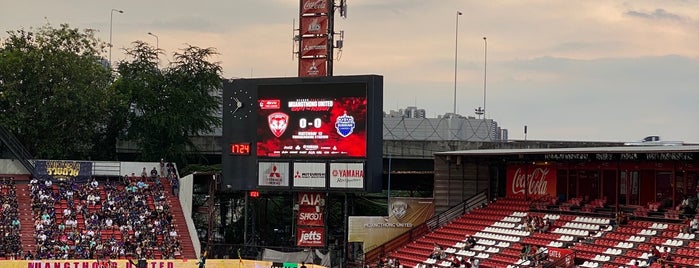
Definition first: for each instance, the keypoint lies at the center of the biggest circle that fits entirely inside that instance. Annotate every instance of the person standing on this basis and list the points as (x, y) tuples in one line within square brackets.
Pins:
[(202, 261)]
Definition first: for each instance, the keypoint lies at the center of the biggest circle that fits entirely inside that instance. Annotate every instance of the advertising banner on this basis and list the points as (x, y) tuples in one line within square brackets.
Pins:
[(535, 180), (310, 236), (60, 169), (312, 67), (347, 175), (273, 174), (556, 254), (311, 199), (179, 263), (314, 25), (314, 6), (309, 175), (406, 213), (310, 216), (314, 46)]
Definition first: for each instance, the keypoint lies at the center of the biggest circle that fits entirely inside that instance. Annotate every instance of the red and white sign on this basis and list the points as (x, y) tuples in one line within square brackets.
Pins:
[(314, 46), (310, 216), (309, 175), (535, 180), (312, 67), (556, 254), (311, 199), (277, 123), (310, 236), (270, 104), (314, 25), (314, 6), (273, 174), (347, 175)]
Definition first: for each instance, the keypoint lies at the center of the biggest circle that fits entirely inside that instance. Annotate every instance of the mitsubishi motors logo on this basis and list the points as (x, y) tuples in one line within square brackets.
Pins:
[(274, 173), (277, 123)]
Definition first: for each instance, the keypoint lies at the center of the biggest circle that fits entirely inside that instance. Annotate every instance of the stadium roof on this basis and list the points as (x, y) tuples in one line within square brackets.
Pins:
[(619, 149)]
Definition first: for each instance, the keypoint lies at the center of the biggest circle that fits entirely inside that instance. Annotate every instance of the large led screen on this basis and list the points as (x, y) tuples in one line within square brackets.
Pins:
[(312, 120)]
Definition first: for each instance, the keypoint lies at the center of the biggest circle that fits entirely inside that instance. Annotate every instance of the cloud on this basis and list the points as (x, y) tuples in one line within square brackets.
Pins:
[(657, 14)]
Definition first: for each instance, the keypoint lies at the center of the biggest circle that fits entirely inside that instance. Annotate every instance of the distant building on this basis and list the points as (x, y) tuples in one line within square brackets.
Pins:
[(411, 124), (410, 112)]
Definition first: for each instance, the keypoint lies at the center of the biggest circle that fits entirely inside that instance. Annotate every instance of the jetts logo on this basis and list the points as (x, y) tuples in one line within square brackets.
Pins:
[(277, 123), (344, 125), (310, 236)]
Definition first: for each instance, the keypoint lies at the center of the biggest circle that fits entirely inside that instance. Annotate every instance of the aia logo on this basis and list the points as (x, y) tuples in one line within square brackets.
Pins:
[(277, 123)]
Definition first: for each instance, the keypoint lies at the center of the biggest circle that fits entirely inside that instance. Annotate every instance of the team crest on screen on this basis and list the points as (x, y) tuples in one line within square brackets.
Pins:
[(344, 125), (277, 123)]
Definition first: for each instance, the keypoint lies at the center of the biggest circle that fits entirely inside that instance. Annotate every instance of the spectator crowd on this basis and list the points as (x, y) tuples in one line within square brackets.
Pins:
[(110, 219)]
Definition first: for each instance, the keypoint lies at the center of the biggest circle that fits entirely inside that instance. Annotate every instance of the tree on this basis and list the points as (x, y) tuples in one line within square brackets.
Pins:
[(53, 90), (169, 105)]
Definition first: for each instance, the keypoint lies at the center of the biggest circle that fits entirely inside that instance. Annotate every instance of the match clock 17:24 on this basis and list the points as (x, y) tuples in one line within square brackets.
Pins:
[(240, 148)]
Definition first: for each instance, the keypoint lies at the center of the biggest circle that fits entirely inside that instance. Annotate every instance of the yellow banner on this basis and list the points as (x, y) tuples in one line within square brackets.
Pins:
[(151, 264), (406, 213)]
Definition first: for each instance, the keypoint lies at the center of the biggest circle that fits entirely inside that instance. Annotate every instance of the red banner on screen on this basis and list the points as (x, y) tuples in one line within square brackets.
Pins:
[(310, 236), (314, 46), (535, 180), (310, 216), (314, 25), (314, 6)]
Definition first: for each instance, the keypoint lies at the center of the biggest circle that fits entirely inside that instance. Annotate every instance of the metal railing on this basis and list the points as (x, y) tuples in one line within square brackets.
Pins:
[(373, 255), (17, 149)]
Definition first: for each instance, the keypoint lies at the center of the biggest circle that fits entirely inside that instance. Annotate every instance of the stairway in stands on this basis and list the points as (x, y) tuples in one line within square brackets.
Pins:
[(24, 203), (179, 220)]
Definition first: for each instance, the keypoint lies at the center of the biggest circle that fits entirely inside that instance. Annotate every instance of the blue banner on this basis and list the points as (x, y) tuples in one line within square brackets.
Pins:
[(60, 169)]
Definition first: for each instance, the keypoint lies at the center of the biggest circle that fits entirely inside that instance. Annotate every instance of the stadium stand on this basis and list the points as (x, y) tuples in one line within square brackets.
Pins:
[(10, 242), (505, 239), (99, 218)]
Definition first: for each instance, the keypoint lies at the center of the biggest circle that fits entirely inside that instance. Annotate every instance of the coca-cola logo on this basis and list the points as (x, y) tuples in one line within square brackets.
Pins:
[(534, 183), (311, 236), (318, 4)]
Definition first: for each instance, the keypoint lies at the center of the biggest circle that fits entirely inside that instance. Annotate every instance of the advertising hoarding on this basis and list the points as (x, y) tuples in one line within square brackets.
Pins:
[(346, 175), (310, 236), (530, 180), (273, 174), (309, 175)]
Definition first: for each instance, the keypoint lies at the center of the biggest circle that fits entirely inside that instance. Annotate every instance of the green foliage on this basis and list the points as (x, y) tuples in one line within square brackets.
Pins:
[(168, 106), (53, 90)]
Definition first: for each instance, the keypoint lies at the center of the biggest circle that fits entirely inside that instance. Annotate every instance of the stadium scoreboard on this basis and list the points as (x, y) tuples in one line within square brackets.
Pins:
[(321, 133)]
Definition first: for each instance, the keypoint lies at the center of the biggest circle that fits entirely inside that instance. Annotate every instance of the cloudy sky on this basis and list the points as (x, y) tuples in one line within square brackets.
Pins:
[(599, 70)]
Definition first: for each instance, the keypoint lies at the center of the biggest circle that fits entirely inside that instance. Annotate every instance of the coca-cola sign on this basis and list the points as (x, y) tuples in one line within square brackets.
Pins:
[(310, 236), (531, 180), (314, 6)]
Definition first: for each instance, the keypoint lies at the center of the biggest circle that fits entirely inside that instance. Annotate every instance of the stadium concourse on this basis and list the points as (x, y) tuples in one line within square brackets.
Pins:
[(517, 233)]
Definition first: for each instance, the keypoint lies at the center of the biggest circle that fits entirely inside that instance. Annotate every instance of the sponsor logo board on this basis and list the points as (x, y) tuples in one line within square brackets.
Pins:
[(347, 175), (310, 236), (273, 174), (309, 175)]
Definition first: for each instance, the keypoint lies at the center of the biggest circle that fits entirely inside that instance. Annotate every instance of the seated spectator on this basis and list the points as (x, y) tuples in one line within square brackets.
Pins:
[(470, 242), (154, 174)]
